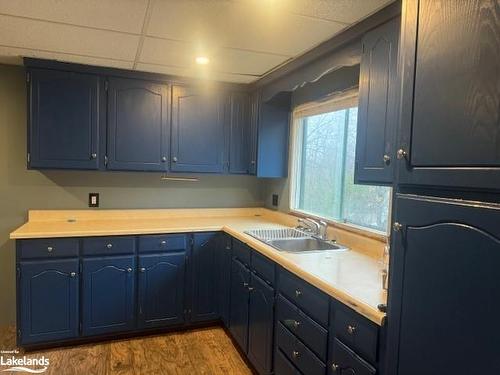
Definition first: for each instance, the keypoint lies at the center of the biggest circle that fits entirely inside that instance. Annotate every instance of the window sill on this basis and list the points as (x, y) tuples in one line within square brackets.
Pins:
[(365, 232)]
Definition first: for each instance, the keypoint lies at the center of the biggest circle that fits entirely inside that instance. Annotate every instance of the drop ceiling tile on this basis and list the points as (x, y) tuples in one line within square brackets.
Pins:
[(13, 56), (46, 36), (243, 25), (202, 74), (172, 53), (347, 11), (120, 15)]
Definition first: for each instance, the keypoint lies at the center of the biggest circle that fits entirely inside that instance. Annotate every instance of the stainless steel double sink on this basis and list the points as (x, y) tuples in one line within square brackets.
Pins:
[(293, 240)]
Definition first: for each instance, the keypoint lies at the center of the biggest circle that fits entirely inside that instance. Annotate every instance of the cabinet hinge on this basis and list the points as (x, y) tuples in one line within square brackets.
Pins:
[(80, 267), (105, 159), (28, 77), (191, 241), (28, 157), (80, 327), (19, 332), (105, 85), (18, 272)]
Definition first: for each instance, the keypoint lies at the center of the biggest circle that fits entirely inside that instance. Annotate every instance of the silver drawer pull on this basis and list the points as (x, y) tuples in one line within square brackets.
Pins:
[(163, 243), (109, 245), (351, 329), (49, 249), (295, 354), (335, 367), (129, 269), (298, 292), (72, 274), (245, 284), (296, 324), (142, 269)]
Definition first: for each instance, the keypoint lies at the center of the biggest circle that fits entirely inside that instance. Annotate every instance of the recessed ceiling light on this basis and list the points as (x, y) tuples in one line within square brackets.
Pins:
[(202, 60)]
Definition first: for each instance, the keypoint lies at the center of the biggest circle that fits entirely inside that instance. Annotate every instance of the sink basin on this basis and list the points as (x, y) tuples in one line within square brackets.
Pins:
[(298, 245)]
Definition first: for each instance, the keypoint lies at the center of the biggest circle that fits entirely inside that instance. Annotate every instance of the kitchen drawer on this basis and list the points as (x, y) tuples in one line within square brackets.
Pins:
[(241, 252), (297, 353), (263, 266), (48, 248), (345, 362), (355, 330), (162, 242), (282, 366), (108, 245), (306, 329), (310, 299)]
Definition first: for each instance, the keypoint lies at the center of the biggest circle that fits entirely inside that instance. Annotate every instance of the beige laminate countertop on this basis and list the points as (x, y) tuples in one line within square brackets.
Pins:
[(352, 277)]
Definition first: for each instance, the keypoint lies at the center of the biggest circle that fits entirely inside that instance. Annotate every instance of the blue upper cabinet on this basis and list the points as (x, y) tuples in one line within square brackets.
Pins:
[(198, 131), (204, 271), (161, 289), (138, 127), (48, 295), (108, 294), (63, 120), (239, 134), (273, 136), (450, 114), (378, 103)]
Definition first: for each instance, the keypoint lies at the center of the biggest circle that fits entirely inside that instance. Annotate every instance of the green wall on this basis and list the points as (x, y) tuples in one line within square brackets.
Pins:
[(21, 190)]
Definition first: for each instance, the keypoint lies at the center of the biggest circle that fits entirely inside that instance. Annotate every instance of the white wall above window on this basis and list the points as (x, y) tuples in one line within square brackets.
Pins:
[(323, 162)]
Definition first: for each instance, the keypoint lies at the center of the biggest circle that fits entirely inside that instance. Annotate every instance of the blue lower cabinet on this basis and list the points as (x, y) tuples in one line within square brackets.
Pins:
[(108, 294), (48, 294), (260, 325), (345, 362), (161, 290), (204, 278), (238, 321)]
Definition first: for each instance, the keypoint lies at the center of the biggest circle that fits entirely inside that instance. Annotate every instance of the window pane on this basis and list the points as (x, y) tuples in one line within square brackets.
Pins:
[(363, 205), (320, 181)]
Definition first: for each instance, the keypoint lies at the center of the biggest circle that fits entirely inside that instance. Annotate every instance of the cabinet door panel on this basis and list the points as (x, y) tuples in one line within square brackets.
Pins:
[(450, 107), (48, 301), (239, 134), (137, 125), (64, 120), (378, 94), (444, 288), (224, 250), (204, 278), (240, 280), (108, 294), (161, 289), (197, 131), (260, 325)]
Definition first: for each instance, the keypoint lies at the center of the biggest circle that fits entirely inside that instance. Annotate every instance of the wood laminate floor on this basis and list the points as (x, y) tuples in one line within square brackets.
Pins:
[(201, 351)]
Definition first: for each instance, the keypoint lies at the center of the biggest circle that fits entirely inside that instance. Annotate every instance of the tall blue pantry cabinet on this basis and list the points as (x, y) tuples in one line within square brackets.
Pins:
[(444, 300)]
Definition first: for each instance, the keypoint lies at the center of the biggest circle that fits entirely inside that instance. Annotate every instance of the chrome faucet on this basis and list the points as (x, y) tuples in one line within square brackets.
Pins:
[(316, 227)]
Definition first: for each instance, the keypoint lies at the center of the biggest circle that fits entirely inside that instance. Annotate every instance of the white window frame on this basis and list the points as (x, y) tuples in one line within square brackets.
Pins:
[(338, 102)]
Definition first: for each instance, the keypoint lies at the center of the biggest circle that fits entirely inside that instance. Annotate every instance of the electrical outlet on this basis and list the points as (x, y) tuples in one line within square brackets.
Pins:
[(275, 200), (93, 199)]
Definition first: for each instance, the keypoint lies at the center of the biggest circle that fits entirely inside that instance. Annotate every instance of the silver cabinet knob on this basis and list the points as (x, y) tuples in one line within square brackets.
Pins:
[(401, 153), (387, 159), (397, 226), (335, 367), (174, 159), (228, 247), (250, 288), (163, 242), (49, 249), (109, 245), (142, 269), (252, 162), (296, 324), (93, 156), (295, 354), (245, 284), (164, 159), (72, 274), (351, 329), (298, 292), (129, 269)]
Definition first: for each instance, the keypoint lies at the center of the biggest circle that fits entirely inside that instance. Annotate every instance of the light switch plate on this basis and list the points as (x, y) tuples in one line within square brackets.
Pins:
[(93, 199)]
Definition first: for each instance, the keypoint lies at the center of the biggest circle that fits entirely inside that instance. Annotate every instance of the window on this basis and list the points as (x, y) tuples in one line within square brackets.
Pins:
[(323, 178)]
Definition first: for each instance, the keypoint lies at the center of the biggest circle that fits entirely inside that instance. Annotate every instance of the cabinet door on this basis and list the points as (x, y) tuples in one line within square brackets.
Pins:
[(224, 251), (378, 103), (204, 278), (451, 98), (239, 134), (161, 289), (261, 325), (48, 300), (238, 322), (138, 133), (197, 130), (444, 297), (64, 120), (108, 294)]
